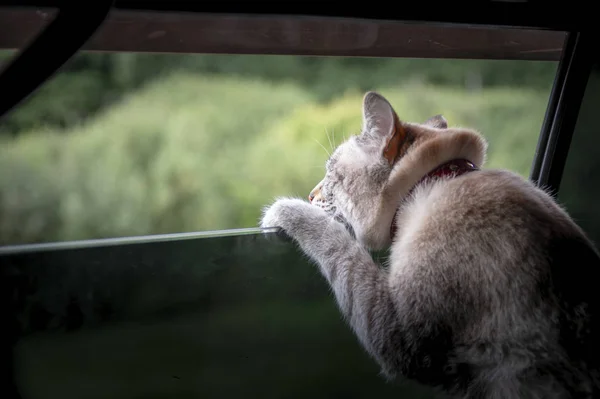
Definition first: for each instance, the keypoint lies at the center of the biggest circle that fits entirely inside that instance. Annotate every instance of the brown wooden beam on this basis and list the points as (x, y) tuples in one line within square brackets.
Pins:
[(171, 32)]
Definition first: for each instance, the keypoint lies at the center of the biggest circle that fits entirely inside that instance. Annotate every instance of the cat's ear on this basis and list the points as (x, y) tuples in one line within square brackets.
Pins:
[(381, 124), (437, 121)]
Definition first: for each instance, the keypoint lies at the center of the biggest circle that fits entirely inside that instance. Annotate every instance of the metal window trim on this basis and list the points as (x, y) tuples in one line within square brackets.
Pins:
[(561, 116), (73, 25)]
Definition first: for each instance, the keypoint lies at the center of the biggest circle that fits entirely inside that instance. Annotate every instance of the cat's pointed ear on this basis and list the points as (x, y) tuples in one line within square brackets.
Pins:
[(381, 124), (437, 121)]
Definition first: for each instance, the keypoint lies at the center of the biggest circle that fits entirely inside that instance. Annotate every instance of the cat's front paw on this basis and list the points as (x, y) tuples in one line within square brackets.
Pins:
[(309, 226), (291, 215), (283, 213)]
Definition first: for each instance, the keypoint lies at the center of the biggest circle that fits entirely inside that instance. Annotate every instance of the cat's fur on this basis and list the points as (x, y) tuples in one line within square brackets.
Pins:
[(490, 288)]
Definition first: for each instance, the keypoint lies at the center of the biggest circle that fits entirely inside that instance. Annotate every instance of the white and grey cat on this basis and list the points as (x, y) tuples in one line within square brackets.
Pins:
[(490, 290)]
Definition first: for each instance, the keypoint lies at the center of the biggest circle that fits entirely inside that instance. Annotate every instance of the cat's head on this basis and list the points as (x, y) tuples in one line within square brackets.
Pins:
[(369, 175)]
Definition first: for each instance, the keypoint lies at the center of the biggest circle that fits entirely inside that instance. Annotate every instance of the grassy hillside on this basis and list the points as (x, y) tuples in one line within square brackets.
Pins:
[(192, 152)]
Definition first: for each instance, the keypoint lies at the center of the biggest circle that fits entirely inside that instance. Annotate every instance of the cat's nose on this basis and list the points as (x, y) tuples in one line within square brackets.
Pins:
[(315, 194)]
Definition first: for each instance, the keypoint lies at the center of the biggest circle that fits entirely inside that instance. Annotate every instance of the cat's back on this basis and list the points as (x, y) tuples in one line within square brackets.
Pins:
[(488, 204), (520, 267), (489, 217), (497, 226)]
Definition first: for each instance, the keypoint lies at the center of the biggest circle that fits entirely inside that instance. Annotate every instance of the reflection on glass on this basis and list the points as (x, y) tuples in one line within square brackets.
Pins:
[(220, 317)]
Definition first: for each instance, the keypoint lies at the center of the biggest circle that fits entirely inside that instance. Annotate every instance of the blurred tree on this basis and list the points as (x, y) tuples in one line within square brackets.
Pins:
[(92, 81)]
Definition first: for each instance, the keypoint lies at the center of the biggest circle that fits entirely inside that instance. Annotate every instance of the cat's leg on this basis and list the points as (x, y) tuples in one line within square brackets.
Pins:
[(360, 286)]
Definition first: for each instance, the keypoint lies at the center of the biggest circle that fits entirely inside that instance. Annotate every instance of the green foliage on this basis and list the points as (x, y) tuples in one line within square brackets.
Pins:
[(163, 160), (200, 152), (90, 82), (64, 101)]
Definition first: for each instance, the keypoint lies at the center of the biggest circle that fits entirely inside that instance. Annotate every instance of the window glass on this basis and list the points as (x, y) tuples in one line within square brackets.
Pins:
[(215, 317), (124, 144)]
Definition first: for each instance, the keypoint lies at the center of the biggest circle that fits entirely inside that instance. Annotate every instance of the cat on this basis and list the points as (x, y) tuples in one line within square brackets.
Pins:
[(488, 290)]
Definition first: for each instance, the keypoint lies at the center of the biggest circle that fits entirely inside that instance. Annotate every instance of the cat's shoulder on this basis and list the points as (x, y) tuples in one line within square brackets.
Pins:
[(498, 179), (505, 185)]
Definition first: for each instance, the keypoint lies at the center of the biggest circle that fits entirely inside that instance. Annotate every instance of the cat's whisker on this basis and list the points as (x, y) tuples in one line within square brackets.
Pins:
[(333, 140), (323, 147), (329, 139)]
